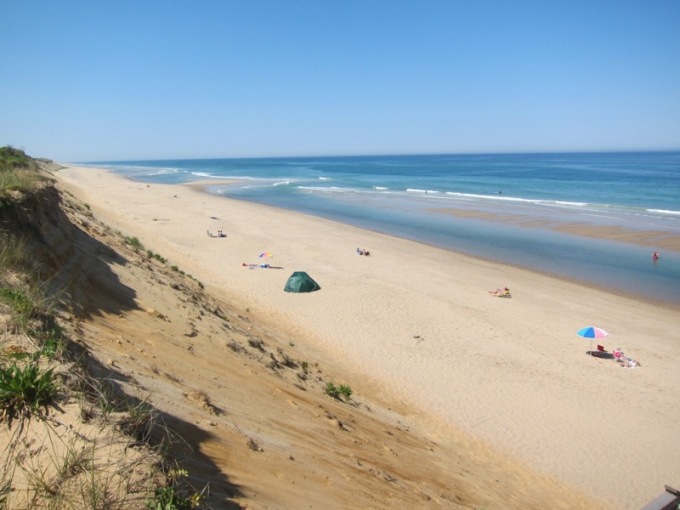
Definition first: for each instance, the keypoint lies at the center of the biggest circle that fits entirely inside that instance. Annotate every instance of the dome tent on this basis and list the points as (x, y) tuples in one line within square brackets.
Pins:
[(300, 281)]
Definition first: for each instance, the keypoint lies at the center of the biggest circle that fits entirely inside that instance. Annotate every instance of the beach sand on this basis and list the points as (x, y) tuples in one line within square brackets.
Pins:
[(414, 325)]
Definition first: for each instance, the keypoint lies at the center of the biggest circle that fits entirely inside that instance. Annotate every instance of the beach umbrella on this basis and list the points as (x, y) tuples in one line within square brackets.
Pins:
[(265, 255), (592, 332)]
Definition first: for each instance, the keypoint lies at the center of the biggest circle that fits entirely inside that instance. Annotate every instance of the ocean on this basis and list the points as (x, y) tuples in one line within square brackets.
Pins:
[(528, 210)]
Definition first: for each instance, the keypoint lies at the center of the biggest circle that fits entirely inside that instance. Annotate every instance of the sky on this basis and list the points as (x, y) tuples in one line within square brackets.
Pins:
[(93, 81)]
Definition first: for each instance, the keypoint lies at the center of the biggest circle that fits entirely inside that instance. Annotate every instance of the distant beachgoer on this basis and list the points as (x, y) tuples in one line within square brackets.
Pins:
[(360, 251), (626, 362), (655, 256), (500, 292)]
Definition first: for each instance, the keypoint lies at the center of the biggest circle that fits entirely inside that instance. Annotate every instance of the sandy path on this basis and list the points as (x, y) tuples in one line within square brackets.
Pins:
[(418, 322)]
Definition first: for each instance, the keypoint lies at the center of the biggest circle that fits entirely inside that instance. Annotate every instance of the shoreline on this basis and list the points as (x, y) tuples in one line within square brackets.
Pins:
[(640, 278), (609, 253), (612, 233), (418, 321)]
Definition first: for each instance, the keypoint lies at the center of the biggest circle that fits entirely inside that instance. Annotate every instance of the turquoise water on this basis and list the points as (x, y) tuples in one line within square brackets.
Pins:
[(414, 197)]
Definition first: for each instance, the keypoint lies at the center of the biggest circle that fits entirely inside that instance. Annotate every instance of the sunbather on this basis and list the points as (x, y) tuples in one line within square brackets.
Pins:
[(628, 362), (500, 292)]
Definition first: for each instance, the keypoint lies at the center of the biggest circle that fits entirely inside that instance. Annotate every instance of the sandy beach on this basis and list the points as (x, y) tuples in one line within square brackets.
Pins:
[(416, 326)]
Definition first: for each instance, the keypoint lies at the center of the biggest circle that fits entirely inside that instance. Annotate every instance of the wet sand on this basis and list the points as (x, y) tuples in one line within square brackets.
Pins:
[(654, 238)]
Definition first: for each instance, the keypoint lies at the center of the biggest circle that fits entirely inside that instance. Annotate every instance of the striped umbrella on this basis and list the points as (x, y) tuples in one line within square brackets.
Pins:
[(592, 332)]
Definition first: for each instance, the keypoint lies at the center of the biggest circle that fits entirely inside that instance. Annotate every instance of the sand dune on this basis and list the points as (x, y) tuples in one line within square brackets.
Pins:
[(415, 325)]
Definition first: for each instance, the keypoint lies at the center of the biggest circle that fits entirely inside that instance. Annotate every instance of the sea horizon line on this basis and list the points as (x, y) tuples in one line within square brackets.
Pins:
[(385, 155)]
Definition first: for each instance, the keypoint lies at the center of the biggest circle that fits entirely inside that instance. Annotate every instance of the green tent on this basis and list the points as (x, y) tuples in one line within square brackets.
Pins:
[(300, 281)]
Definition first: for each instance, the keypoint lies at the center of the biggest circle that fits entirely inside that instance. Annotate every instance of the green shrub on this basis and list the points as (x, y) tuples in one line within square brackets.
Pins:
[(17, 300), (175, 495), (52, 342), (13, 158), (18, 172), (334, 391), (345, 391), (134, 242), (23, 391), (22, 306), (331, 390), (156, 256)]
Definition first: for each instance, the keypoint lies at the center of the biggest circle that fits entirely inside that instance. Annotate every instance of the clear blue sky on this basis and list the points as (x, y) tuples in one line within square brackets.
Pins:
[(84, 80)]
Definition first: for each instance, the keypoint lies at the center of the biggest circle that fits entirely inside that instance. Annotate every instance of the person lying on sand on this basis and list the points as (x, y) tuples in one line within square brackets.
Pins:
[(628, 362), (361, 251), (500, 292), (253, 266), (219, 234)]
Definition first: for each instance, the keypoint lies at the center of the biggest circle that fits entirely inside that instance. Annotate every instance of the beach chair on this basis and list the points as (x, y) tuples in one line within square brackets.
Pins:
[(601, 348)]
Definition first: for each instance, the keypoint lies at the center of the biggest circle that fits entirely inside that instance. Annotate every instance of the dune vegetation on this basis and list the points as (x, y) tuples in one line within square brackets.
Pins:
[(69, 439)]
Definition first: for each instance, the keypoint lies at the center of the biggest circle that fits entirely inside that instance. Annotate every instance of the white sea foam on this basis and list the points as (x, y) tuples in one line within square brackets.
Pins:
[(663, 211), (328, 189), (505, 198), (424, 191), (491, 197), (380, 188), (574, 204), (142, 170), (145, 171)]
